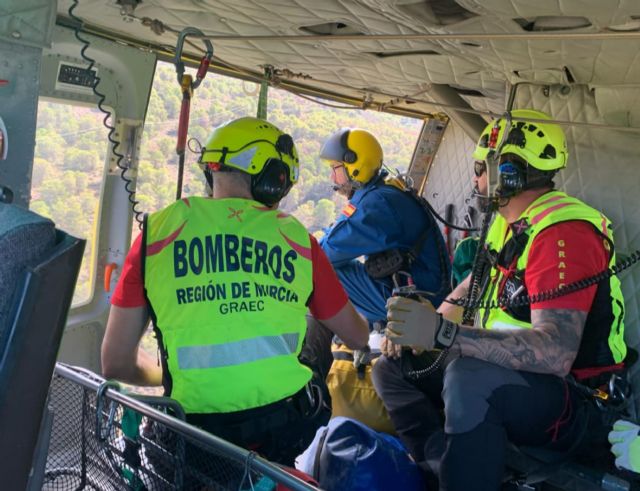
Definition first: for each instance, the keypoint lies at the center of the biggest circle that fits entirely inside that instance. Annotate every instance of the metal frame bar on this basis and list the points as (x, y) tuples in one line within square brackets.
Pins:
[(238, 454)]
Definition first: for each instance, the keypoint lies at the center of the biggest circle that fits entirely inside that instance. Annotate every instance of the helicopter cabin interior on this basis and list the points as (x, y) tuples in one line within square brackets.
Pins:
[(450, 65)]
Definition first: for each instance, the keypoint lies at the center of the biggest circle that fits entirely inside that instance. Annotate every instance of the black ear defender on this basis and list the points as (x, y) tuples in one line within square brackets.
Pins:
[(272, 183), (512, 179), (349, 156), (284, 145)]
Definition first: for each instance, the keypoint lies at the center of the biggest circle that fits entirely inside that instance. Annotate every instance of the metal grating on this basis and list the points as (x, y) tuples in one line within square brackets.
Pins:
[(89, 449)]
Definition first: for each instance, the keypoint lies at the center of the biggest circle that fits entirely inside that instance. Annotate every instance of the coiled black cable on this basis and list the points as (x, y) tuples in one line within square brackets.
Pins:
[(477, 271), (128, 183), (520, 301), (550, 294)]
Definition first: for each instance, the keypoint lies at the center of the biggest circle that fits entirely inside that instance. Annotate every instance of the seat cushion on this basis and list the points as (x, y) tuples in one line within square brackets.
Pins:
[(24, 237)]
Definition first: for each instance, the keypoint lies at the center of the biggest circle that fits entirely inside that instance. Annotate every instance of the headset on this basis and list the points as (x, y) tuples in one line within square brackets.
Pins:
[(269, 185), (515, 175), (349, 156)]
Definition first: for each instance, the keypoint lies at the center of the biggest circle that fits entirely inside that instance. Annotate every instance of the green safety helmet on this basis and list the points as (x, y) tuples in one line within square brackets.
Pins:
[(541, 145), (258, 148)]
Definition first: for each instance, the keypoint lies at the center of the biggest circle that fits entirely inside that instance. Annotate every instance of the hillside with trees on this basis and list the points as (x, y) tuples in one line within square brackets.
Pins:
[(72, 148)]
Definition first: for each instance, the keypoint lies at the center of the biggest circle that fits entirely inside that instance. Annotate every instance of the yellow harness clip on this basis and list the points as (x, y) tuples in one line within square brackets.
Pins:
[(600, 394)]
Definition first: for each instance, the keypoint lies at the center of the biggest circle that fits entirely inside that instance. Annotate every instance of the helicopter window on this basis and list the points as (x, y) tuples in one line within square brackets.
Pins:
[(220, 99), (68, 168)]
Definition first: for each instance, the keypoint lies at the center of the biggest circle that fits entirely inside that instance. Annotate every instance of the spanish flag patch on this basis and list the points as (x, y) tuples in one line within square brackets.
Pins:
[(348, 210)]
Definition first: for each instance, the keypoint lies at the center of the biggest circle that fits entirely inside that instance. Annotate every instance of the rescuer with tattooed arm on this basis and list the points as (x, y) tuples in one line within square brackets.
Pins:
[(227, 282), (506, 380)]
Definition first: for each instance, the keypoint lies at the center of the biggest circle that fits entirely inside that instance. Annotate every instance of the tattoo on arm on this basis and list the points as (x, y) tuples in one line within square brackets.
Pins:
[(550, 346)]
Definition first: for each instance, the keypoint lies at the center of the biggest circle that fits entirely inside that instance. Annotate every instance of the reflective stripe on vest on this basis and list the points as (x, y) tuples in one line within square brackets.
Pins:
[(549, 209), (238, 352), (228, 281)]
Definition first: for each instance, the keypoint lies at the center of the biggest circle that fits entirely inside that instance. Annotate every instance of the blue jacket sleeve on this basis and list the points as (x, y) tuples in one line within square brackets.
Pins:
[(373, 227)]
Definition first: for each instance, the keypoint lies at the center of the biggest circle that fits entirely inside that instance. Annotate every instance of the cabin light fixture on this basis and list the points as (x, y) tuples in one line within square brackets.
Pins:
[(633, 25), (553, 23), (332, 28), (398, 54)]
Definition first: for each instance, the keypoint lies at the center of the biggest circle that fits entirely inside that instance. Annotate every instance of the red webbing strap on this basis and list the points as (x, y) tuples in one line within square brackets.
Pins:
[(589, 372), (183, 121)]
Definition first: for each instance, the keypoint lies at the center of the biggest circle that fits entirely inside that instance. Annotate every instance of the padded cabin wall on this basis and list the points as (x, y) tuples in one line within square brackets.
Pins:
[(604, 171), (449, 178)]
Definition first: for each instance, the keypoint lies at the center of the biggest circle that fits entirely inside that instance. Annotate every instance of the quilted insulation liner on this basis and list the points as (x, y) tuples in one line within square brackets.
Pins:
[(365, 67), (603, 170)]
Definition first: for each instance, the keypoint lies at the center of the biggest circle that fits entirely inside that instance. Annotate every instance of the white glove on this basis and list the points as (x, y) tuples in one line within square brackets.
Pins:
[(625, 445)]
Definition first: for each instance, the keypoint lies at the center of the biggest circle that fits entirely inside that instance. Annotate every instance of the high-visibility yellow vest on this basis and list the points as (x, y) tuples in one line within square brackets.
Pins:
[(227, 281), (603, 338)]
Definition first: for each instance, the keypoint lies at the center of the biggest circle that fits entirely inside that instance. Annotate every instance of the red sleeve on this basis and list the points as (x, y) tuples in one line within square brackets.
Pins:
[(328, 296), (129, 291), (561, 254)]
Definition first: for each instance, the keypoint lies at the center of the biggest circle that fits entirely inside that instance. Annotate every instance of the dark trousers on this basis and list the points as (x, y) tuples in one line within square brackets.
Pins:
[(460, 436), (279, 432), (283, 430)]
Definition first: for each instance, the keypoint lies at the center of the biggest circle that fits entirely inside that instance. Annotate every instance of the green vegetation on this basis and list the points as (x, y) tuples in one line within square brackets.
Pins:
[(72, 146)]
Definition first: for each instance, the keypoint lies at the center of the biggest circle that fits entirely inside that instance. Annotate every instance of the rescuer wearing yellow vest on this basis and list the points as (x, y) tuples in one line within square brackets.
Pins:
[(507, 377), (227, 282)]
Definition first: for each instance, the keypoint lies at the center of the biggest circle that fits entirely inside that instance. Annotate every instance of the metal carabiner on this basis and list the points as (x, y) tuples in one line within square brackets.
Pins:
[(204, 63), (101, 434)]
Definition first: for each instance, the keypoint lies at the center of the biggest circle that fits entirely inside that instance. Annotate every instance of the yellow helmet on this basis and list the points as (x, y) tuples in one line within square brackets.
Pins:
[(256, 147), (358, 150), (541, 145)]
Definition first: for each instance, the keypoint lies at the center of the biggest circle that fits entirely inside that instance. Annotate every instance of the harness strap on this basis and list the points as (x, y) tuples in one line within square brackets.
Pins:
[(582, 374), (346, 356)]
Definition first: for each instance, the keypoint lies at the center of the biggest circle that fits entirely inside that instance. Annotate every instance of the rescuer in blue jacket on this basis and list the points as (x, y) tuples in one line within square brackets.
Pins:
[(379, 217)]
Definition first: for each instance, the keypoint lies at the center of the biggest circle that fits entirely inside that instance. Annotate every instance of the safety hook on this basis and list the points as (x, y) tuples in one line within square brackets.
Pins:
[(204, 63), (101, 434)]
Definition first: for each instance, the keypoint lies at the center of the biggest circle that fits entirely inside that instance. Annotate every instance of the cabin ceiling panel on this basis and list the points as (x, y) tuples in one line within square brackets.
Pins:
[(600, 14), (619, 105), (495, 105), (402, 67)]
